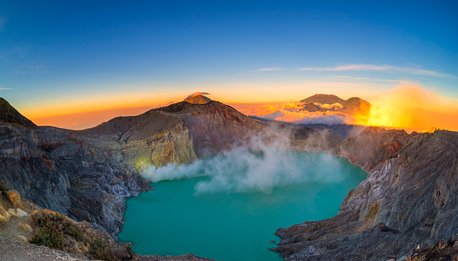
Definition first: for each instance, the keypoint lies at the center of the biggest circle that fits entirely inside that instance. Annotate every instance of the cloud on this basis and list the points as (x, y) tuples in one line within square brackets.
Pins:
[(351, 78), (198, 94), (375, 68), (4, 88), (269, 69)]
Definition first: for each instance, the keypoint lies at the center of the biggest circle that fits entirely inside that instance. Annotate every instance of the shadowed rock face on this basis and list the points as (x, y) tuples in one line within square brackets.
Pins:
[(410, 198)]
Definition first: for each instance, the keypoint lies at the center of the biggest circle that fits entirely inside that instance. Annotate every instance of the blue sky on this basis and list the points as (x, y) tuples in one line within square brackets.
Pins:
[(54, 51)]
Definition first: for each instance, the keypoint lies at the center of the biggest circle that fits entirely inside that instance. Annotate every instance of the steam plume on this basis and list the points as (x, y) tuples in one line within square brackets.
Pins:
[(260, 166)]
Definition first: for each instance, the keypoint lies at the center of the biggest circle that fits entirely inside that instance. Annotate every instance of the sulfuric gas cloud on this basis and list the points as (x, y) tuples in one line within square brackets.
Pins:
[(259, 166)]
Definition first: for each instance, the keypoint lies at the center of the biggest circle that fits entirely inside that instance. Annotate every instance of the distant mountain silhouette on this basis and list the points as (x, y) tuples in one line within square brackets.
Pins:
[(323, 98), (329, 102)]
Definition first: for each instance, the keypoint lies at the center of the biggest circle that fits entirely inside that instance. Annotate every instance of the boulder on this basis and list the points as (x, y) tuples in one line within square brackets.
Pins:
[(25, 227), (17, 212), (15, 198)]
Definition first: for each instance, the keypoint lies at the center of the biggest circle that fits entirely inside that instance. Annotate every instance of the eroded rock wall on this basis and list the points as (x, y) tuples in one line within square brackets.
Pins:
[(409, 199)]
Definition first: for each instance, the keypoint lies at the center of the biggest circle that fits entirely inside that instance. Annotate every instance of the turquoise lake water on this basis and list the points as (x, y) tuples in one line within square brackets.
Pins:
[(230, 223)]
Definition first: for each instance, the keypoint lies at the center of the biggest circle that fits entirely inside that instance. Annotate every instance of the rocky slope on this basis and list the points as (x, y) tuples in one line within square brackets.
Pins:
[(409, 200), (61, 170)]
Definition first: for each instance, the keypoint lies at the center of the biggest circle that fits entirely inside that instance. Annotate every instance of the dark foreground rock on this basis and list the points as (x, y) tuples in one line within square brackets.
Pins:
[(409, 199), (442, 250)]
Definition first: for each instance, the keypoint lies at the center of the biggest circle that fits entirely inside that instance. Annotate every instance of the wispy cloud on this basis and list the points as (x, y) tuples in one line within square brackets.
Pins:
[(269, 69), (4, 88), (375, 68), (352, 78)]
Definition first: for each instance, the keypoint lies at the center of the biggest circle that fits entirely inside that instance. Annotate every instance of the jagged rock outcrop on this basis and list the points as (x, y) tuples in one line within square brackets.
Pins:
[(409, 198), (442, 250)]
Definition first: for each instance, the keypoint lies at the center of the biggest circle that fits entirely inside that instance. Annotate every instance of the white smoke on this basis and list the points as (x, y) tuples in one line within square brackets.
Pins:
[(260, 166)]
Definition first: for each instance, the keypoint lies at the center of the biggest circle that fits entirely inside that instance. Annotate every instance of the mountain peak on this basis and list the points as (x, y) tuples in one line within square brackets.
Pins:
[(323, 98), (198, 98), (10, 115)]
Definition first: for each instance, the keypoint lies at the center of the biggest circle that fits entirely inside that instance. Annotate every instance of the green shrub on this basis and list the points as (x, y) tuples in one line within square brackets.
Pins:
[(52, 230), (49, 236)]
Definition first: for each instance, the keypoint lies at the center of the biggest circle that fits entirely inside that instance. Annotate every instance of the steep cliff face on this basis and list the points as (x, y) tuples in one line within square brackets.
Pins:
[(60, 170), (174, 146), (409, 198)]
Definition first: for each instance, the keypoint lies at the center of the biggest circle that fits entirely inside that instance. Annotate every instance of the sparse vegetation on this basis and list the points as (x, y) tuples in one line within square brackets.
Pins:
[(54, 230), (101, 250)]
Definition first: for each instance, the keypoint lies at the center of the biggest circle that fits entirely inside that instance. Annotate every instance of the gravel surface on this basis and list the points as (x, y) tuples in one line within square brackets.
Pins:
[(16, 251)]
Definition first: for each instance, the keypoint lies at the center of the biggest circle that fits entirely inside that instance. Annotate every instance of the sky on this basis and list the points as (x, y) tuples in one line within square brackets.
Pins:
[(73, 57)]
